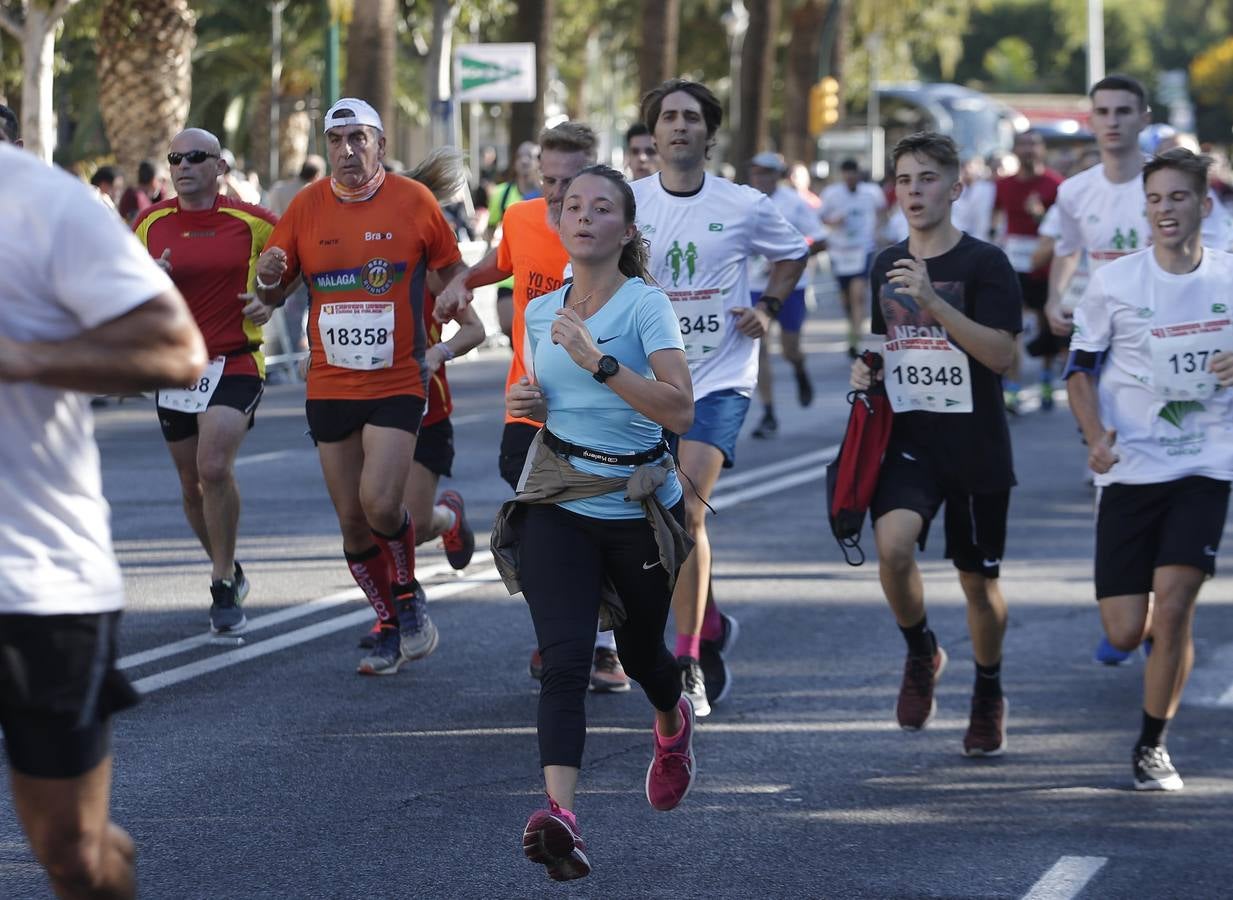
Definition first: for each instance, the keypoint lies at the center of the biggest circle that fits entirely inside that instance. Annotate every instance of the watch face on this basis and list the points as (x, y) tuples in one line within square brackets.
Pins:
[(608, 365)]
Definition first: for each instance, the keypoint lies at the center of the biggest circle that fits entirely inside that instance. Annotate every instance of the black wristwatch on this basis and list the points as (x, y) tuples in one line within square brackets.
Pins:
[(772, 304), (608, 367)]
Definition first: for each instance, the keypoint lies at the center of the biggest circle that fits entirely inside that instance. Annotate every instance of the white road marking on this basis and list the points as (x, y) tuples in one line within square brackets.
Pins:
[(272, 456), (301, 635), (823, 456), (259, 622), (1067, 878)]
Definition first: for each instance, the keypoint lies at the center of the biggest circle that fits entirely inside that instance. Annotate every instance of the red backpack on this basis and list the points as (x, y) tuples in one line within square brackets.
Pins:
[(852, 476)]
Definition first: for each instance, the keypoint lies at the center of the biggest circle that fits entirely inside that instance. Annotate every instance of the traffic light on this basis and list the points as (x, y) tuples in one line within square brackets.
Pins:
[(823, 105)]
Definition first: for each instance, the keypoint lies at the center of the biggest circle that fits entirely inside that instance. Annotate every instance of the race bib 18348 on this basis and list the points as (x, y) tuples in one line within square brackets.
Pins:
[(928, 374), (357, 335)]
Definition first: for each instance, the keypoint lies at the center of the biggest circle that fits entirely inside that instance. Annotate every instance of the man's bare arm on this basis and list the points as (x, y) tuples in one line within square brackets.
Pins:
[(155, 345)]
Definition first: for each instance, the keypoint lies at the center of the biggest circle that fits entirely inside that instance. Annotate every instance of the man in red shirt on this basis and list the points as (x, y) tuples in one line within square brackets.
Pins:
[(209, 244), (1022, 200)]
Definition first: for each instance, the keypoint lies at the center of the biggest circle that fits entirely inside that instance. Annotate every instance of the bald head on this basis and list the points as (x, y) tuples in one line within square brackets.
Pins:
[(196, 166), (196, 139)]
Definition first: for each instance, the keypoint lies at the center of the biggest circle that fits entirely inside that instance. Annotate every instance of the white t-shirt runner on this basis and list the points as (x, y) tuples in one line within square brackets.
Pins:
[(850, 242), (70, 265), (801, 216), (700, 247), (1160, 331)]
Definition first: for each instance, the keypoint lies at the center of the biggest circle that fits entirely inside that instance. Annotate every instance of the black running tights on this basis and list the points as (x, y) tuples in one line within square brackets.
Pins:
[(562, 561)]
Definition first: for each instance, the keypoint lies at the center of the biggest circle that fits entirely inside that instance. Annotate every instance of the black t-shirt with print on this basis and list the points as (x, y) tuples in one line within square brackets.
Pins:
[(971, 450)]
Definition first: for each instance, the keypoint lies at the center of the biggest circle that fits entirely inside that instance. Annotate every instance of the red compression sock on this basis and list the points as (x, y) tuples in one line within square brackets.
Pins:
[(372, 575), (398, 551)]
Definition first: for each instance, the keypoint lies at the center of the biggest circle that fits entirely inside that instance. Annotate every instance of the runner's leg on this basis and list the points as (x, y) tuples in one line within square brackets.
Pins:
[(66, 819), (221, 431), (184, 455), (896, 534), (429, 521), (1176, 588)]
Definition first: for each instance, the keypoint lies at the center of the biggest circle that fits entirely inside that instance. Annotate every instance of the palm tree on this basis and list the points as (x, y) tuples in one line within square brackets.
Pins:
[(661, 22), (145, 75)]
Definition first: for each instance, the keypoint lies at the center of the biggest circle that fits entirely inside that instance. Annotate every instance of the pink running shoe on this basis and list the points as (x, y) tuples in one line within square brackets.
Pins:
[(671, 774), (551, 838)]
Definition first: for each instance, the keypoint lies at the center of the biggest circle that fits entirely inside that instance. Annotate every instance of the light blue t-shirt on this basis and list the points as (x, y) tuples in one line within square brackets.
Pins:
[(635, 323)]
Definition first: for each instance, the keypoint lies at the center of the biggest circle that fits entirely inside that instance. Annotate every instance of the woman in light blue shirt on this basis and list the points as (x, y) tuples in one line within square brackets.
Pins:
[(608, 374)]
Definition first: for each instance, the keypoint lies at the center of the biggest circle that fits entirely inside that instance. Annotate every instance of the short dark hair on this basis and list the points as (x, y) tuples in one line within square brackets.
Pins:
[(636, 130), (849, 165), (9, 124), (145, 172), (309, 171), (103, 175), (712, 109), (938, 147), (1120, 83), (1179, 159)]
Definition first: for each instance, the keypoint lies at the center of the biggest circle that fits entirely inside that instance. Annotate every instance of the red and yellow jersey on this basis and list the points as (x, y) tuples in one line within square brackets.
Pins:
[(214, 260), (440, 403), (365, 265), (532, 250)]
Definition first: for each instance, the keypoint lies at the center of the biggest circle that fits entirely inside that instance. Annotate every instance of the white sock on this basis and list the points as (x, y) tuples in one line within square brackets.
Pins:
[(606, 639), (440, 513)]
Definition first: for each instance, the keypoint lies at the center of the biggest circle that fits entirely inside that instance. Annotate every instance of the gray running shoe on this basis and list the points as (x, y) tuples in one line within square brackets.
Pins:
[(693, 685), (419, 634), (385, 658), (226, 616), (1154, 770), (241, 584)]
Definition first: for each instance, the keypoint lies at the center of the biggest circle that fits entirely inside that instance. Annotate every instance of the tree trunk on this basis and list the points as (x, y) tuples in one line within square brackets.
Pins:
[(661, 25), (533, 24), (439, 72), (757, 70), (37, 36), (804, 52), (371, 56)]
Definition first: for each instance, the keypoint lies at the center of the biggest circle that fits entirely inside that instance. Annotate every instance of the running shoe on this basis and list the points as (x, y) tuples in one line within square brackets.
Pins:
[(986, 735), (386, 657), (1154, 770), (804, 387), (916, 704), (241, 584), (369, 640), (226, 616), (693, 684), (419, 635), (672, 769), (1010, 399), (607, 674), (715, 671), (552, 839), (459, 541), (536, 667), (1108, 655), (1046, 396), (768, 427)]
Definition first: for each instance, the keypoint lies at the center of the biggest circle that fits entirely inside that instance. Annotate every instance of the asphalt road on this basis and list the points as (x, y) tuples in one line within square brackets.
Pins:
[(273, 770)]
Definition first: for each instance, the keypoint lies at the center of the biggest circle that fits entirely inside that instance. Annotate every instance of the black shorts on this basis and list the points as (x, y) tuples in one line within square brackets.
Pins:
[(1035, 291), (1140, 527), (330, 421), (242, 392), (435, 448), (515, 442), (975, 524), (58, 690)]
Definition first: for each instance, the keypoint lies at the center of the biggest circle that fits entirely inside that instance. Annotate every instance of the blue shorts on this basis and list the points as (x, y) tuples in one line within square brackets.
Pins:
[(718, 418), (791, 314)]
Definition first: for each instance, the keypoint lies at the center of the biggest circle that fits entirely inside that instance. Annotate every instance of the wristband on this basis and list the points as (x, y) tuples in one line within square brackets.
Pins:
[(772, 304), (267, 287), (445, 351)]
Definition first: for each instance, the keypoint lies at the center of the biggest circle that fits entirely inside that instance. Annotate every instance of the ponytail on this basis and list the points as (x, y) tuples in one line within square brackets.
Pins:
[(635, 258)]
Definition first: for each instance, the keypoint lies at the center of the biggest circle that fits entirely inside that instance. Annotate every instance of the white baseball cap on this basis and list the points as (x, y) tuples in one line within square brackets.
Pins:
[(352, 111), (768, 160)]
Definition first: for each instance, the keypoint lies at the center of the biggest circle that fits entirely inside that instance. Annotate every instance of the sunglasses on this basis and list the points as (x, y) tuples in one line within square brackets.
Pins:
[(192, 156)]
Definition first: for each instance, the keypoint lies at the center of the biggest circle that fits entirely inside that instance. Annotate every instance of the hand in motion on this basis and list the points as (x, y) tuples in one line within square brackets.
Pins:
[(911, 277), (1101, 456), (164, 261), (271, 266), (1061, 319), (571, 333), (254, 310), (862, 377), (1222, 368), (525, 400), (751, 321)]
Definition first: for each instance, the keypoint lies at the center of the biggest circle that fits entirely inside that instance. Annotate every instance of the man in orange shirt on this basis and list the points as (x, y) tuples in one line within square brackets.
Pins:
[(208, 244), (364, 242), (531, 249)]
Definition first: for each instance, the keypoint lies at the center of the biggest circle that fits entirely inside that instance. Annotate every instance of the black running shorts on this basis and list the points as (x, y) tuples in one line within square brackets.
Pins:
[(330, 421), (515, 442), (58, 690), (434, 450), (1140, 527), (975, 524), (242, 392)]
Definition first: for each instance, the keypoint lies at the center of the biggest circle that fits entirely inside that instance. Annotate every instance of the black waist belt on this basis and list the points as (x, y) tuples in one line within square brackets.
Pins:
[(556, 445)]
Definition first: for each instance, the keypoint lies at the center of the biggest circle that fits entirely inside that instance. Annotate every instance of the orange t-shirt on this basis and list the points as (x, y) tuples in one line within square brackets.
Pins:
[(532, 250), (365, 265)]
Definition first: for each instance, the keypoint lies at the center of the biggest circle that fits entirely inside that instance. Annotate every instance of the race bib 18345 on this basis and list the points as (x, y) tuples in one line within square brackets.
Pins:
[(701, 316)]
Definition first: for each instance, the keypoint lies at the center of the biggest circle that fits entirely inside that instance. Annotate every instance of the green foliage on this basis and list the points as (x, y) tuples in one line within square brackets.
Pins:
[(1011, 64)]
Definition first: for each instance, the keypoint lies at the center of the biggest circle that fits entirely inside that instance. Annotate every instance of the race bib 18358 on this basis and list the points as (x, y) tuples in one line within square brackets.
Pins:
[(357, 335)]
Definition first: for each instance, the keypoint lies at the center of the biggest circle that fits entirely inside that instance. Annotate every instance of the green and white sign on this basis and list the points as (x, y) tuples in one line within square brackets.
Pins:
[(494, 73)]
